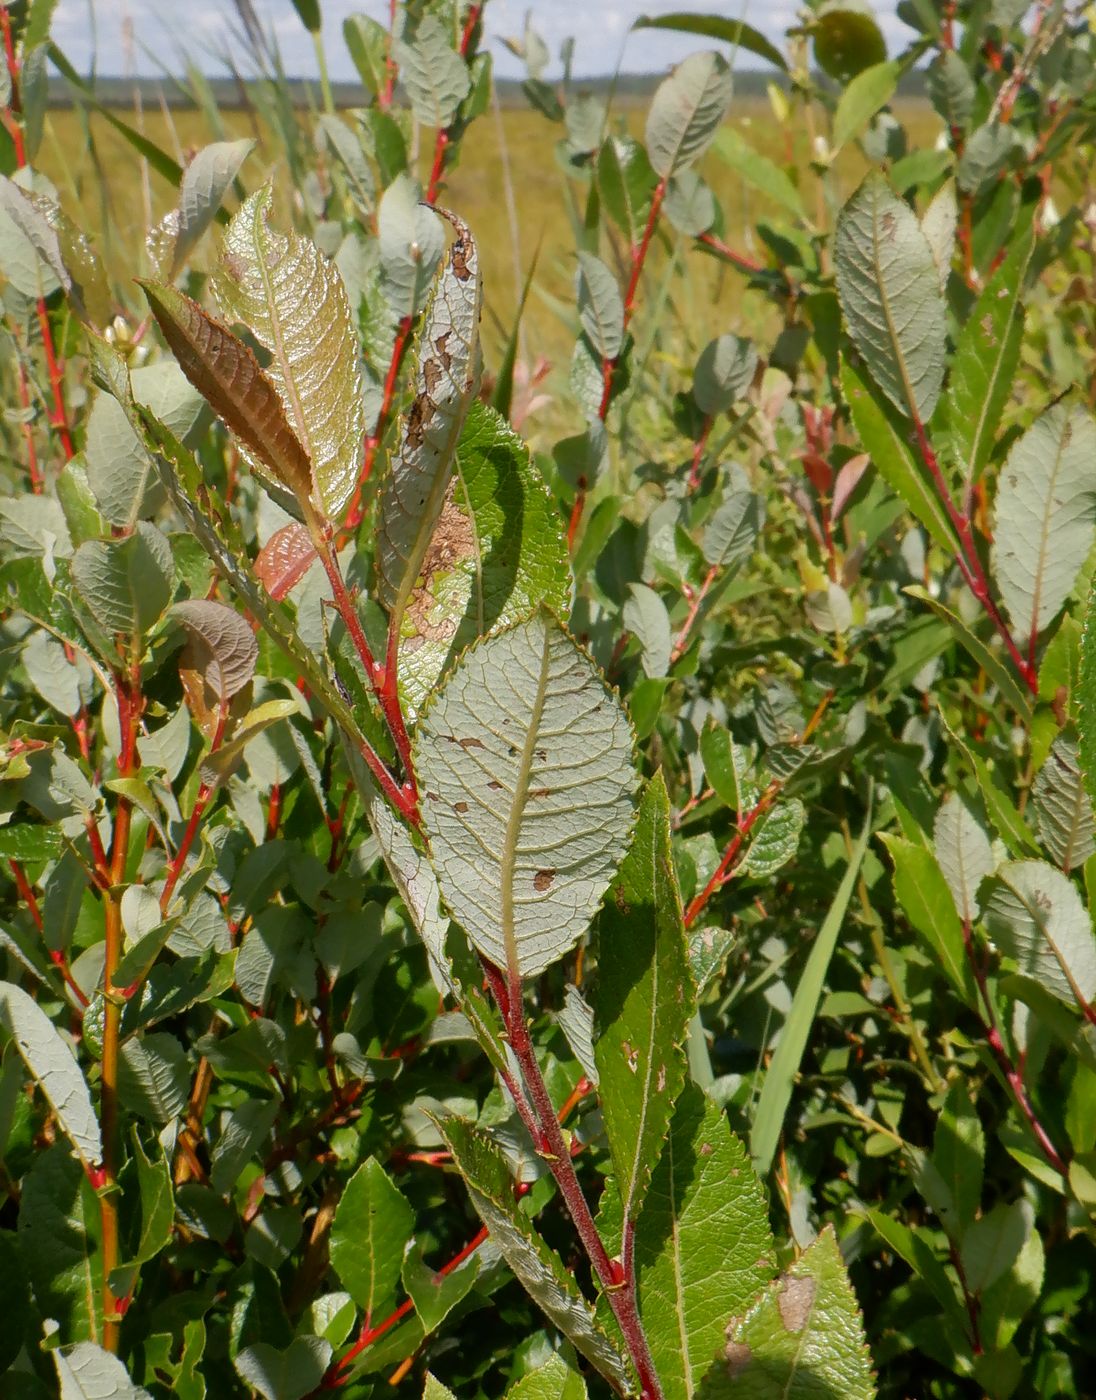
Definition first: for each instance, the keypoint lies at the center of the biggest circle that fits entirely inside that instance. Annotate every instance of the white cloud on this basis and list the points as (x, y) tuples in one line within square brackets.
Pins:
[(600, 28)]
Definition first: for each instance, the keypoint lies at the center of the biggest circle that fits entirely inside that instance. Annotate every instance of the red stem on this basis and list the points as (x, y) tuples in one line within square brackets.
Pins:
[(59, 418), (724, 871), (35, 474), (694, 607), (738, 260), (970, 565), (698, 452), (373, 441)]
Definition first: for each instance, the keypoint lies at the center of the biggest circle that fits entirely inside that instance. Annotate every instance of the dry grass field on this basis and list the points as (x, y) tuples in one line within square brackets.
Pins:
[(508, 163)]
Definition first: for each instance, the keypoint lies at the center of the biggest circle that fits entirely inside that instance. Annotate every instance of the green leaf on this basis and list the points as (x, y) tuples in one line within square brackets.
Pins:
[(913, 1246), (411, 245), (367, 43), (869, 91), (206, 181), (446, 375), (14, 1296), (758, 170), (226, 373), (496, 553), (294, 301), (889, 288), (554, 1380), (951, 88), (1067, 826), (884, 435), (644, 615), (126, 583), (986, 356), (434, 1390), (600, 307), (348, 151), (433, 73), (963, 853), (939, 223), (53, 1068), (985, 156), (1035, 916), (87, 1372), (730, 31), (435, 1295), (372, 1225), (644, 1000), (284, 1374), (775, 840), (923, 893), (536, 1267), (988, 658), (626, 182), (60, 1242), (958, 1155), (150, 1218), (846, 41), (526, 737), (724, 764), (804, 1337), (992, 1244), (703, 1247), (723, 373), (1044, 516), (686, 112), (24, 842), (732, 531), (776, 1091)]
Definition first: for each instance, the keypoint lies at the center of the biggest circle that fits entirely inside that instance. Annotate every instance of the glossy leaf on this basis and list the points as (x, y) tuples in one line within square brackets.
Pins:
[(804, 1337), (446, 376), (869, 91), (702, 1248), (889, 288), (1045, 515), (206, 181), (600, 307), (846, 41), (229, 648), (284, 1374), (372, 1225), (525, 764), (294, 301), (644, 1001), (986, 356), (226, 373), (540, 1271), (497, 552)]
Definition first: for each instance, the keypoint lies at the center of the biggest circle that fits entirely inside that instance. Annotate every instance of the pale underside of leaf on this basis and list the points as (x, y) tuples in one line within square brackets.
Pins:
[(1045, 509), (525, 765), (889, 287), (294, 301), (445, 380)]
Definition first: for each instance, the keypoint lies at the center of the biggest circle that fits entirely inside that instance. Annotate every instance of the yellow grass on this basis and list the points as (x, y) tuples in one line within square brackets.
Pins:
[(113, 194)]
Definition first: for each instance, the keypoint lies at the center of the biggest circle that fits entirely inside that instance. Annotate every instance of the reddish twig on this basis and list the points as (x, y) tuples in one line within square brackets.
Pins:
[(739, 260), (373, 441), (698, 597), (698, 452)]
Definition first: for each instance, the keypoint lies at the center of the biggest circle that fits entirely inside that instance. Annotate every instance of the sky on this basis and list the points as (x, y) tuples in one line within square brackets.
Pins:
[(88, 29)]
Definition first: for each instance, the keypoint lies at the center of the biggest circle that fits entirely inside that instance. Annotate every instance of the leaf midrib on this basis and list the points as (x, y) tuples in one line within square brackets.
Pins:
[(259, 232), (1042, 930), (1065, 439), (884, 301), (636, 1170), (517, 812)]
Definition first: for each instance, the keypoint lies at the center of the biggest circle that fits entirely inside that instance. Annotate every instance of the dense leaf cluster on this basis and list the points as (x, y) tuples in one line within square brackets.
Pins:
[(603, 916)]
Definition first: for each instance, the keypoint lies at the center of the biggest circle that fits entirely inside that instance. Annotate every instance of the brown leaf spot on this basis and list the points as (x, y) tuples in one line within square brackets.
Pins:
[(541, 792), (542, 880), (738, 1357), (705, 1149), (472, 743), (495, 786), (434, 796), (461, 270), (796, 1301), (452, 542), (460, 806), (431, 373), (439, 346), (422, 410), (621, 903)]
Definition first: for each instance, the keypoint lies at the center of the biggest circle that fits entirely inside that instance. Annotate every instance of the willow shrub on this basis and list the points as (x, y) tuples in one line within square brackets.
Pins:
[(607, 917)]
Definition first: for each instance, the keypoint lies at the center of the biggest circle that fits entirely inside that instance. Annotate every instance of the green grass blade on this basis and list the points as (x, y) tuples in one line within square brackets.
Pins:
[(777, 1090)]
